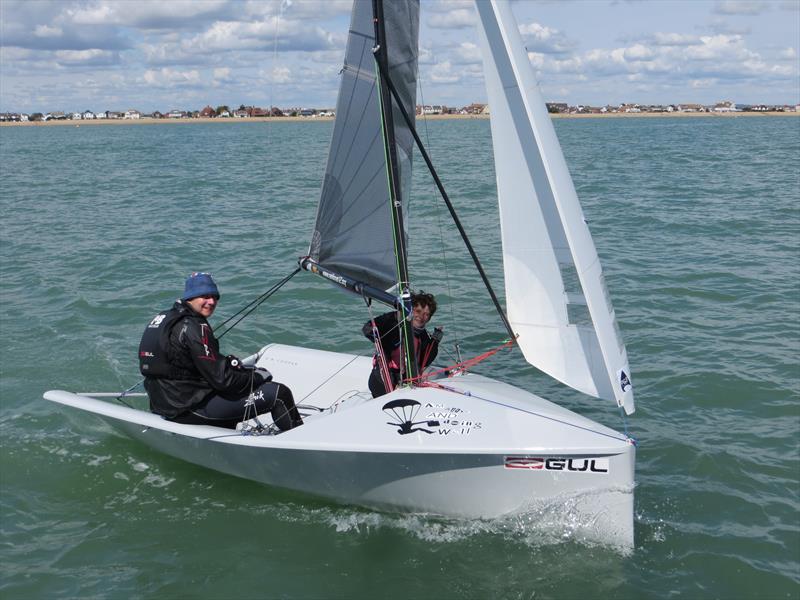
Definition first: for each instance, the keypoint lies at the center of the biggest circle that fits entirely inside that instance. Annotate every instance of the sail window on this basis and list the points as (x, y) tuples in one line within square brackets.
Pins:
[(577, 310)]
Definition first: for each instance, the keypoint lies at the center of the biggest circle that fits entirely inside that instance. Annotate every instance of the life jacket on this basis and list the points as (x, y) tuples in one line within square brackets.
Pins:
[(395, 360), (154, 347)]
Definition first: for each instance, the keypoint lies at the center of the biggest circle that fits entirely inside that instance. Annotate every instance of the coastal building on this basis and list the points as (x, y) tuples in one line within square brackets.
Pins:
[(88, 115), (132, 114), (552, 107), (208, 112), (725, 106), (434, 109), (176, 114)]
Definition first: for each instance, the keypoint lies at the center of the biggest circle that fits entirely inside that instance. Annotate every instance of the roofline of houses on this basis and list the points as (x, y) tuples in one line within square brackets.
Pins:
[(244, 112)]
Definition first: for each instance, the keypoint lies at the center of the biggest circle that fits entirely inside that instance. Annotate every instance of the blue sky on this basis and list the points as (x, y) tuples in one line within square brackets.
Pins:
[(159, 54)]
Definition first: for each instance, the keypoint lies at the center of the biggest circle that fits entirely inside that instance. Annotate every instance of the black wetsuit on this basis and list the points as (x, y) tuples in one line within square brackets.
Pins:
[(389, 332), (202, 387)]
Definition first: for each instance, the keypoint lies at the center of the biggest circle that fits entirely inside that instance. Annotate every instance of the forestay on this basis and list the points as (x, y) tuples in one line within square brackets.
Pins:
[(353, 232), (556, 297)]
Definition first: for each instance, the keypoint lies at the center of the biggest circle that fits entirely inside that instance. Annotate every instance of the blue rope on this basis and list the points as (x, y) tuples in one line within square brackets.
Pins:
[(625, 425)]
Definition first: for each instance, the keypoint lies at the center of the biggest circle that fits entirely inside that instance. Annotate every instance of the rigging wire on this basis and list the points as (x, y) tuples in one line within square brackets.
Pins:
[(438, 209), (255, 303)]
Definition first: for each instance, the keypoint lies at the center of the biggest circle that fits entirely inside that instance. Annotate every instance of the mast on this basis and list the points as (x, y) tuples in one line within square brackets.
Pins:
[(395, 195)]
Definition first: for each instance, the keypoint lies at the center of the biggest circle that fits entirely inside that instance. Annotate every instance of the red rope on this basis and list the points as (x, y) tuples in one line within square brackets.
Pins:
[(380, 358), (460, 367)]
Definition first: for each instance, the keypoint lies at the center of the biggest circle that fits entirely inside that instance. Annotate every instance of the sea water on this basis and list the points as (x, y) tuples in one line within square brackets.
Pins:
[(695, 220)]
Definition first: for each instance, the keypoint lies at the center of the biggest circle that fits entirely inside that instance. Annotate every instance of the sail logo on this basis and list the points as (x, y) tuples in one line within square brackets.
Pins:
[(157, 320), (571, 465), (334, 278), (624, 381)]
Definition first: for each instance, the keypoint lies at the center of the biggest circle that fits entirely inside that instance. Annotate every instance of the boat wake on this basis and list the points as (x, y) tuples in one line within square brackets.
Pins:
[(541, 524)]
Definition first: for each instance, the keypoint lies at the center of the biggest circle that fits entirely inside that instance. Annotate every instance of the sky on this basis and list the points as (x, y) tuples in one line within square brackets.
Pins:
[(76, 55)]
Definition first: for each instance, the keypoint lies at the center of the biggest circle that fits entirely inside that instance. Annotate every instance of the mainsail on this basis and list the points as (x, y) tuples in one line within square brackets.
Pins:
[(555, 292), (353, 231)]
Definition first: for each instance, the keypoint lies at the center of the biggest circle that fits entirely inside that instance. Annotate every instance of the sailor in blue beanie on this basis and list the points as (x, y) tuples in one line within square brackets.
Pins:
[(199, 284), (187, 379)]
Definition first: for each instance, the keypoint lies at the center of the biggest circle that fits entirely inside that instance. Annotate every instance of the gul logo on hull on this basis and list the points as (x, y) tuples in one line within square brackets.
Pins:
[(571, 465)]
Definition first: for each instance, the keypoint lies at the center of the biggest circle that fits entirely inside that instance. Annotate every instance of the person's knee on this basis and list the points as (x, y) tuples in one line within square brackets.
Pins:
[(281, 416), (285, 394)]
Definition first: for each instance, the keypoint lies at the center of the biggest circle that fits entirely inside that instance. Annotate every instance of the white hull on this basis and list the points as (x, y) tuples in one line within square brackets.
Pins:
[(481, 449)]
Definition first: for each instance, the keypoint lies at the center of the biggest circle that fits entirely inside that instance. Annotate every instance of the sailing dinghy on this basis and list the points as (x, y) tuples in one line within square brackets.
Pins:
[(455, 444)]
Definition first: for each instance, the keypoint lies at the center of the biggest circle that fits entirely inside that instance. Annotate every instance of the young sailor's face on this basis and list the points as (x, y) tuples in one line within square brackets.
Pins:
[(420, 316), (203, 305)]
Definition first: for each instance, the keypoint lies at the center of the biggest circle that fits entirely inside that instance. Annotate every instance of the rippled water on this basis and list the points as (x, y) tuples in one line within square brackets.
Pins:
[(696, 221)]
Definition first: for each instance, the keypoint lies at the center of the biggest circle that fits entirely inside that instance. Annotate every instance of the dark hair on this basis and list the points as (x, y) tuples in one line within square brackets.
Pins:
[(422, 299)]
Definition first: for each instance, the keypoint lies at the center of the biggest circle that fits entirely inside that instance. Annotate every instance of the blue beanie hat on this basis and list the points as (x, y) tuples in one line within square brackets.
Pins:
[(199, 284)]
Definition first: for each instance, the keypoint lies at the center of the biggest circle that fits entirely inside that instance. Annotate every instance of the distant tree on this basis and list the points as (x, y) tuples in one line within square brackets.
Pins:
[(241, 107), (293, 113), (36, 117), (223, 108)]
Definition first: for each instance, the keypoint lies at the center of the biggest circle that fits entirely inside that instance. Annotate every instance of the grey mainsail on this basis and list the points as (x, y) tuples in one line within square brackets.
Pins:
[(353, 231)]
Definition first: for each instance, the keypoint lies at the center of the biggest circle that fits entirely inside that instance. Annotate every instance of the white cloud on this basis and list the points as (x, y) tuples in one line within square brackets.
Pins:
[(638, 52), (569, 65), (443, 73), (453, 19), (153, 15), (45, 31), (674, 39), (450, 14), (537, 59), (85, 57), (276, 75), (702, 83), (168, 78), (468, 53), (717, 47), (167, 52), (222, 74), (740, 7), (260, 35), (540, 38)]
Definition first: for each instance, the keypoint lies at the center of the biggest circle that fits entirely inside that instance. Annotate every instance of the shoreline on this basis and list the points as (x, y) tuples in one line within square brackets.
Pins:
[(150, 121)]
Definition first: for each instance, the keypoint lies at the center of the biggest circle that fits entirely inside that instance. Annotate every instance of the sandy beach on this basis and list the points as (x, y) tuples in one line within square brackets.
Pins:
[(149, 121)]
